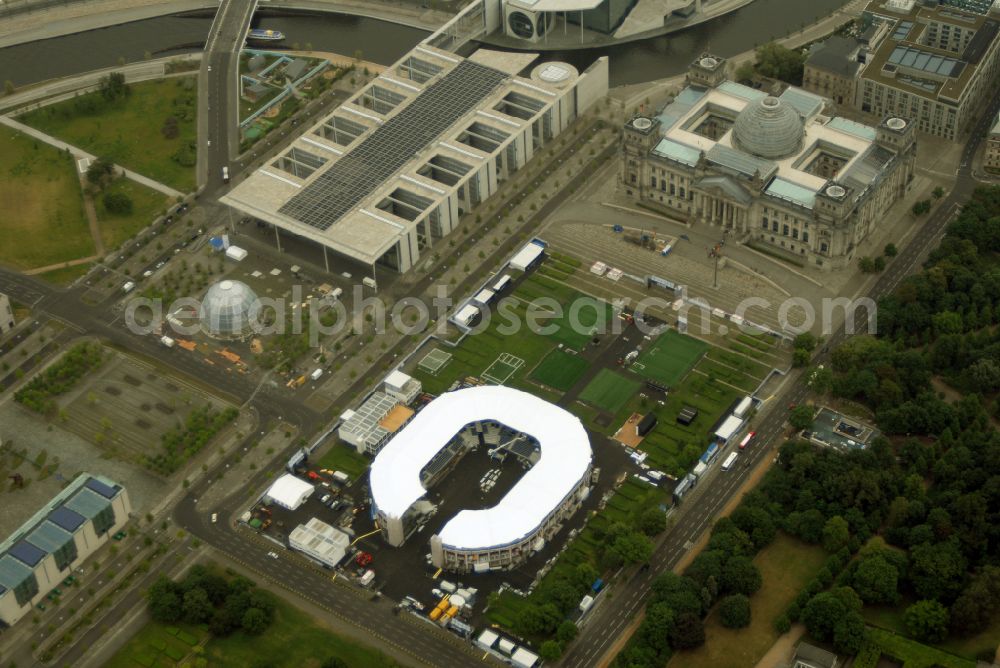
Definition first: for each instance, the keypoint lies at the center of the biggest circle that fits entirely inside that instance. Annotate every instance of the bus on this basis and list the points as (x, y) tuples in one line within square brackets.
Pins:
[(730, 460), (747, 440)]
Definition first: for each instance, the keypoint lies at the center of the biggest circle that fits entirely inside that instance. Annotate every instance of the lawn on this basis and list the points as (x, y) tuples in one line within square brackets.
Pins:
[(669, 357), (560, 370), (45, 222), (66, 275), (344, 458), (579, 318), (914, 655), (479, 351), (129, 130), (147, 204), (786, 565), (609, 390), (294, 640)]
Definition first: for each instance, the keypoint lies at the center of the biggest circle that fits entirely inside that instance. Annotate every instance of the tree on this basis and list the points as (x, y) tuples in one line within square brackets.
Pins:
[(975, 608), (653, 521), (550, 650), (334, 662), (937, 570), (632, 547), (100, 170), (734, 611), (197, 609), (938, 192), (566, 632), (876, 580), (778, 62), (921, 207), (164, 603), (740, 576), (254, 621), (836, 534), (112, 86), (825, 611), (801, 417), (927, 621), (688, 632), (801, 358), (171, 128), (755, 522), (866, 264), (806, 340), (657, 626), (890, 250), (117, 203)]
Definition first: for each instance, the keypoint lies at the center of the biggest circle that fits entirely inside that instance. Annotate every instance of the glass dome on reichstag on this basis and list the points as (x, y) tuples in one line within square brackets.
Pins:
[(227, 309), (768, 128)]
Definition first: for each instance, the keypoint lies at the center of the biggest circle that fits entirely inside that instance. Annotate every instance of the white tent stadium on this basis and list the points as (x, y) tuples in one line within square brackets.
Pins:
[(729, 427), (556, 481), (289, 492)]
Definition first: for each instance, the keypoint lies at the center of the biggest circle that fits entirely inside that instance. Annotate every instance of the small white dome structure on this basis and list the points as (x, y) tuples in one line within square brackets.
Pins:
[(227, 310)]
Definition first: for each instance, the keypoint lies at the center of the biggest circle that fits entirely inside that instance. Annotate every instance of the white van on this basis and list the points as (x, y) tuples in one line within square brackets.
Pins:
[(315, 375), (730, 460), (128, 287), (225, 174)]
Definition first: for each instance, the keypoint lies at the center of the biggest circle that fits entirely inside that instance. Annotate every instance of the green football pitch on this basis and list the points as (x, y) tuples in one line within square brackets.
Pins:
[(669, 358), (560, 370), (609, 391)]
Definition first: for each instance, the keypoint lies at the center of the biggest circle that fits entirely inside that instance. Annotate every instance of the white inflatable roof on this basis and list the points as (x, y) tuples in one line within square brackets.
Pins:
[(564, 460)]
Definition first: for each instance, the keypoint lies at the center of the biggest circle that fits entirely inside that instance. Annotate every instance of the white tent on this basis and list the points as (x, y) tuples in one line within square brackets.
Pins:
[(522, 658), (289, 492), (729, 427), (525, 257)]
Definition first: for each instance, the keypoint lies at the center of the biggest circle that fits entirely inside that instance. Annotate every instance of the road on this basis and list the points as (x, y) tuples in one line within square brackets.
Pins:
[(218, 87), (614, 615)]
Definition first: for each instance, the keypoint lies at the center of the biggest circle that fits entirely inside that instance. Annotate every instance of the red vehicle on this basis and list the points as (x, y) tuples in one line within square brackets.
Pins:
[(313, 475), (363, 559), (747, 440)]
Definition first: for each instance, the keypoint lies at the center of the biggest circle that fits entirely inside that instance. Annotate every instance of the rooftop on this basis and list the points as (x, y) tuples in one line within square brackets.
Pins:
[(902, 61), (565, 457), (837, 55), (358, 180)]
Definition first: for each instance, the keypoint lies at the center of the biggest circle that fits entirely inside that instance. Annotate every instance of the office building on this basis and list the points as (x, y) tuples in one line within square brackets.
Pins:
[(386, 176), (43, 552), (937, 66)]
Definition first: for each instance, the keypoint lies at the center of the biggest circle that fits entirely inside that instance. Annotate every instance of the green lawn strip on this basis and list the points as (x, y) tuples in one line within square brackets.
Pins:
[(66, 275), (560, 370), (728, 375), (147, 204), (128, 130), (913, 654), (747, 366), (668, 358), (565, 259), (609, 390), (344, 458), (786, 566), (761, 342), (40, 185)]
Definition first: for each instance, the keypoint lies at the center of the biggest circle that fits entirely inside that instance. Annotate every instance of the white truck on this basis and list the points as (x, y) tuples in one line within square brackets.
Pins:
[(167, 342)]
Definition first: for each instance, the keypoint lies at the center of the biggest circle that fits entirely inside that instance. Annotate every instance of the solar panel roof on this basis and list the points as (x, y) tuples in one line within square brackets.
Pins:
[(107, 491), (391, 145), (66, 518), (26, 553), (907, 56)]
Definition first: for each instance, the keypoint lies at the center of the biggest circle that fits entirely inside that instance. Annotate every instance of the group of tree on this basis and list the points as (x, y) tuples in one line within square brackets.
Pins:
[(100, 175), (61, 377), (179, 445), (724, 571), (206, 597), (544, 614), (778, 62)]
